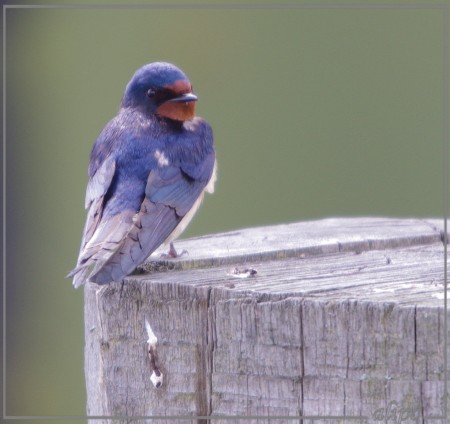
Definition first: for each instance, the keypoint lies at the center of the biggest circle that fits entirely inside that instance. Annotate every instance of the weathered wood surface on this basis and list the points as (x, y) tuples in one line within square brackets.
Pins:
[(345, 317)]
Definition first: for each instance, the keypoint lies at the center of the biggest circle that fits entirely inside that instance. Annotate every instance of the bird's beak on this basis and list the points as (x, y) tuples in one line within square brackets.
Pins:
[(188, 97)]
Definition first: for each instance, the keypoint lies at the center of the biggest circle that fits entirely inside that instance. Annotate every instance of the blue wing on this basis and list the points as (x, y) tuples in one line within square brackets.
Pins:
[(179, 187), (123, 241)]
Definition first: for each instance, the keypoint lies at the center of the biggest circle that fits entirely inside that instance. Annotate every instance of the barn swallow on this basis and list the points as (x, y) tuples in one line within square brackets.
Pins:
[(148, 172)]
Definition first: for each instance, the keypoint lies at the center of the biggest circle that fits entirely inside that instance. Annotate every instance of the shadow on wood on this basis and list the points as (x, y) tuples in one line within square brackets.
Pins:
[(343, 318)]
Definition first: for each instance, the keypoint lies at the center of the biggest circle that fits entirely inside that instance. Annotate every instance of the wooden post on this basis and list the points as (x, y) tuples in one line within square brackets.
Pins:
[(338, 317)]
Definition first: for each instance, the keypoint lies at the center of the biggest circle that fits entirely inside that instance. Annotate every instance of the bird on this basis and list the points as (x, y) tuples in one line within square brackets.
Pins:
[(148, 171)]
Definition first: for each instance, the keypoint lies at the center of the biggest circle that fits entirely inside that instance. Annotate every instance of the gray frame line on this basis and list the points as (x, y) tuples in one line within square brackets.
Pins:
[(445, 134), (228, 6), (445, 86), (4, 215)]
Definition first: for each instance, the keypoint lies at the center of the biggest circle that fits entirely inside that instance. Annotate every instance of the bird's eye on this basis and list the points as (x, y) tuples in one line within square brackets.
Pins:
[(151, 93)]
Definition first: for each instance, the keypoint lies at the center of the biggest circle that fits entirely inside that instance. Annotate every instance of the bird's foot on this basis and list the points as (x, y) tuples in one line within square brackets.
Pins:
[(172, 253)]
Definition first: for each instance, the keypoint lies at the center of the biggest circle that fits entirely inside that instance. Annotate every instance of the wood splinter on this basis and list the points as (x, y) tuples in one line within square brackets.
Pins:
[(157, 376), (242, 272)]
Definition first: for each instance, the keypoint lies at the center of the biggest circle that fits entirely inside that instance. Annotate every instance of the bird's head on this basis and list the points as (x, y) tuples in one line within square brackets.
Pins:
[(161, 88)]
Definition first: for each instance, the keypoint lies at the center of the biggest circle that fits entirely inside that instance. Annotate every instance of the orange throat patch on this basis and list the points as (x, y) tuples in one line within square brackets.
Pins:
[(179, 111)]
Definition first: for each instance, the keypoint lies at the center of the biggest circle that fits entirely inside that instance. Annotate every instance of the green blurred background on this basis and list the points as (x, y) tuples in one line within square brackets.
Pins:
[(316, 113)]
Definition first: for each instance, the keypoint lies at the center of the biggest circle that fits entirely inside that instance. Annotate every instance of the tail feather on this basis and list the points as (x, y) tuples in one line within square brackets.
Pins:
[(105, 241), (150, 228), (79, 275)]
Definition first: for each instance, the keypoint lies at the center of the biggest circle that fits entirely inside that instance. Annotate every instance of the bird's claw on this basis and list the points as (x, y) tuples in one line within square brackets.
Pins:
[(172, 253)]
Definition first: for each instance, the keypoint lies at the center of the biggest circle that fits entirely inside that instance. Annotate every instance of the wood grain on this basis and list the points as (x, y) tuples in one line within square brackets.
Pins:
[(344, 317)]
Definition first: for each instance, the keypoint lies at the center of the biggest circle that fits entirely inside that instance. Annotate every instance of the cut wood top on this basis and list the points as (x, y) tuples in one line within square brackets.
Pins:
[(363, 259)]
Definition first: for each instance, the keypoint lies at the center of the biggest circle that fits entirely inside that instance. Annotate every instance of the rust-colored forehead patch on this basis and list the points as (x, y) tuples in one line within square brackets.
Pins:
[(180, 87)]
